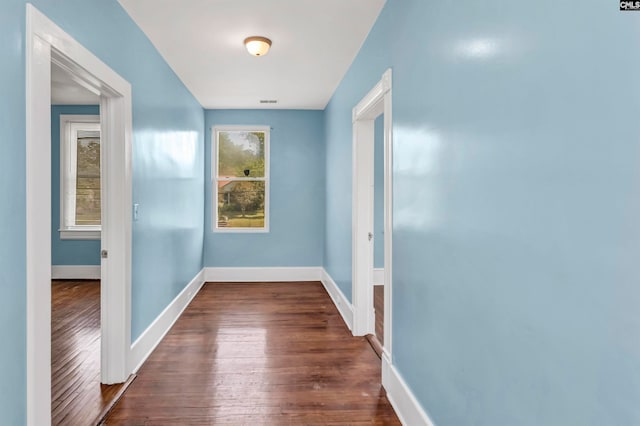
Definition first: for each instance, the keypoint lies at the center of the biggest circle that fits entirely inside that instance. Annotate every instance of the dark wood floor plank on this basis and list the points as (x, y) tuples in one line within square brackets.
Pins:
[(77, 397), (378, 306), (376, 340), (268, 353)]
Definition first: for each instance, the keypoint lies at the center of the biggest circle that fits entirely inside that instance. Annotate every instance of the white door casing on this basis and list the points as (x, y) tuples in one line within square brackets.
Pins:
[(376, 102), (46, 42)]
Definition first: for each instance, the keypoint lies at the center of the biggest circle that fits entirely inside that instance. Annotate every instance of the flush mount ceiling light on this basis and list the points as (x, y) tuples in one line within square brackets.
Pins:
[(257, 46)]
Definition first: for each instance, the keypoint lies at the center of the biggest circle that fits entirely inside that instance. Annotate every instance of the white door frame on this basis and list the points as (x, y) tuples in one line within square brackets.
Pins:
[(46, 42), (376, 102)]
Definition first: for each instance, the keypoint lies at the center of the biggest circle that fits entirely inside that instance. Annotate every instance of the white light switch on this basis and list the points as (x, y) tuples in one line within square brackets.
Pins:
[(135, 212)]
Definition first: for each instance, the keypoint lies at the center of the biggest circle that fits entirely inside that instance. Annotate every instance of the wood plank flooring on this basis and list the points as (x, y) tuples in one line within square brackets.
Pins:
[(258, 354), (375, 340), (77, 397), (378, 306)]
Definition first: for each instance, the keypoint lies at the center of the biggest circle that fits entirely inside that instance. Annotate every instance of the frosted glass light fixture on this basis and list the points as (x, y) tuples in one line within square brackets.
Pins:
[(257, 46)]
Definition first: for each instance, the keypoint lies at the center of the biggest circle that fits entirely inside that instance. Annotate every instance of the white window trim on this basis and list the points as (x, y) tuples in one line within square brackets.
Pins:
[(70, 124), (214, 176)]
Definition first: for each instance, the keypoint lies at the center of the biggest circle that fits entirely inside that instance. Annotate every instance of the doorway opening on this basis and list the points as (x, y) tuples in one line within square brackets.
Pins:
[(377, 337), (48, 44), (376, 105), (77, 395)]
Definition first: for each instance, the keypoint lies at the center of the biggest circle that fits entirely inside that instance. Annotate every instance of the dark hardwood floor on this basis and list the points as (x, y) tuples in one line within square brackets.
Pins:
[(77, 397), (376, 340), (249, 354), (378, 306)]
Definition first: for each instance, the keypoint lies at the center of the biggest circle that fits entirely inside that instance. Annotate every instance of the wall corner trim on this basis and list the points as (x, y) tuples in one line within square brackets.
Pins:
[(404, 402), (153, 335), (339, 299), (75, 272), (266, 274)]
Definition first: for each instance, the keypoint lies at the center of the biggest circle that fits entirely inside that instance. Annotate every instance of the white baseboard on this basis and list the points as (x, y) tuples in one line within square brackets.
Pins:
[(378, 276), (151, 337), (75, 272), (312, 273), (404, 402), (339, 299)]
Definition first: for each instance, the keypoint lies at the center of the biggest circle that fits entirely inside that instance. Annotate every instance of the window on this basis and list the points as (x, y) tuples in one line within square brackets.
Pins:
[(241, 178), (80, 177)]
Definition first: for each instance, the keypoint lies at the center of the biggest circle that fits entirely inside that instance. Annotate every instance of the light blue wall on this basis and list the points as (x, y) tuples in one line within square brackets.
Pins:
[(378, 194), (516, 205), (364, 73), (12, 215), (296, 223), (168, 181), (67, 252)]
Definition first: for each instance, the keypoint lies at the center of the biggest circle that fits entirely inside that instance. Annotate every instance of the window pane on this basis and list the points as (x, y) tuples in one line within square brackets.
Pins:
[(241, 204), (240, 154), (88, 179)]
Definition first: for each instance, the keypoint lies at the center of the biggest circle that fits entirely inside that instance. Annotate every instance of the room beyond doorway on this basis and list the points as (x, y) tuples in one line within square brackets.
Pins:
[(77, 396)]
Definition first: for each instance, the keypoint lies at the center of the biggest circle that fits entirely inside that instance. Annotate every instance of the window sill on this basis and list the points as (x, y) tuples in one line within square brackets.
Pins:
[(242, 230), (80, 234)]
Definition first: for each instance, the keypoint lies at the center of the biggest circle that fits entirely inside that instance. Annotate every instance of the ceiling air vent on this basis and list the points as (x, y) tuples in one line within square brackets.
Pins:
[(268, 101)]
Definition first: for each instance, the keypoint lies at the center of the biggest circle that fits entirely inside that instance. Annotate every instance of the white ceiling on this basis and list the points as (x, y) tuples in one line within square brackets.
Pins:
[(314, 43), (65, 91)]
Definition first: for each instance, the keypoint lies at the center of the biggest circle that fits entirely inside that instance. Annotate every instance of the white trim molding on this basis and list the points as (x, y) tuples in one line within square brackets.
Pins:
[(80, 234), (339, 299), (388, 211), (404, 402), (370, 103), (75, 272), (267, 274), (153, 335), (47, 43), (38, 218), (378, 276), (375, 103), (70, 126)]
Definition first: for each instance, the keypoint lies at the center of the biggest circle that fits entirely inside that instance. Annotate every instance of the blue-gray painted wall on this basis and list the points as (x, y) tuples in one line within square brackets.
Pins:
[(516, 154), (67, 252), (297, 195), (516, 205), (168, 167), (12, 215)]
